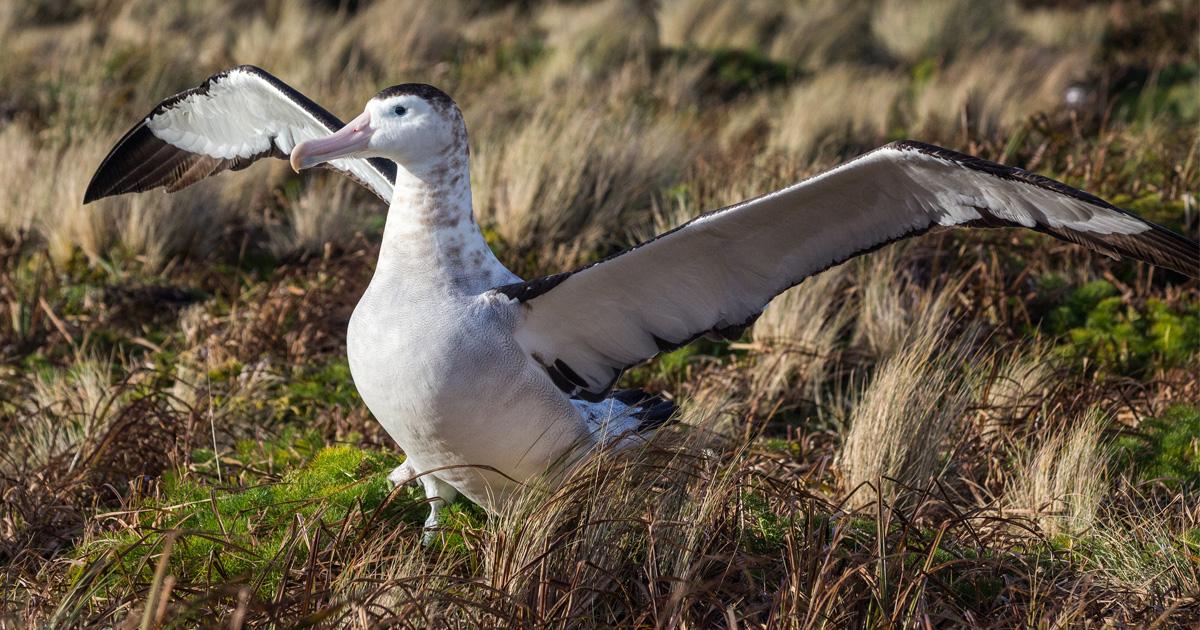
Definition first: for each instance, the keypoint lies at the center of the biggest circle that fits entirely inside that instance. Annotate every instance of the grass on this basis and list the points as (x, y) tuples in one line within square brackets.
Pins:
[(1064, 480), (975, 429)]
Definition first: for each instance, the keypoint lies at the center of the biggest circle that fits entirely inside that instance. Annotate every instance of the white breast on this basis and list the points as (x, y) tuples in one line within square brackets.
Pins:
[(444, 377)]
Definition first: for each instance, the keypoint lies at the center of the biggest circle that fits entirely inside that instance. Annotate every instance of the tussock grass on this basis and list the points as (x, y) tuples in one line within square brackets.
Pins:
[(988, 89), (940, 28), (583, 44), (1063, 480), (555, 188), (311, 226), (1145, 545), (842, 102), (904, 420), (973, 430), (67, 409), (713, 24), (822, 33), (1015, 391), (801, 328), (1080, 28)]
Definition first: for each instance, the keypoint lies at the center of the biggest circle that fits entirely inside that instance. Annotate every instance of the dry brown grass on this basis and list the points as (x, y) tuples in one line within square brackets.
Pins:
[(990, 89), (310, 227), (584, 45), (1013, 394), (1063, 480), (800, 330), (556, 187), (140, 334), (903, 424), (843, 102), (941, 28)]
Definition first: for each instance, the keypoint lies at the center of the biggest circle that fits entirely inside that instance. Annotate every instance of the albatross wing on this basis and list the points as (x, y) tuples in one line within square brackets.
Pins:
[(230, 121), (715, 274)]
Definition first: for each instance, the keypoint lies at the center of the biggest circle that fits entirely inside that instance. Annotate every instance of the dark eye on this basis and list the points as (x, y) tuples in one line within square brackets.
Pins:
[(400, 110)]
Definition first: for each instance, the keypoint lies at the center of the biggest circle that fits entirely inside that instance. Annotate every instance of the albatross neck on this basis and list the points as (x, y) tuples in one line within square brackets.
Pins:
[(431, 239)]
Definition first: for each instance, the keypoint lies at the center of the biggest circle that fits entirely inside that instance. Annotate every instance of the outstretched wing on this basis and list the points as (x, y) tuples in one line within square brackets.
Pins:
[(230, 121), (715, 274)]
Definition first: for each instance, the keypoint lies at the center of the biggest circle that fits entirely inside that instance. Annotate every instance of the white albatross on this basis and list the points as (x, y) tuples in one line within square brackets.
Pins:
[(485, 379)]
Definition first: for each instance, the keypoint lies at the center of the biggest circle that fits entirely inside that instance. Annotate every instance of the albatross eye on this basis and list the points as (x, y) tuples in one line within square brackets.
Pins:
[(401, 110)]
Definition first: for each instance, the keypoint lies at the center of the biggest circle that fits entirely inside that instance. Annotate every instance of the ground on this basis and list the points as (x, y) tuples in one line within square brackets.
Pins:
[(970, 429)]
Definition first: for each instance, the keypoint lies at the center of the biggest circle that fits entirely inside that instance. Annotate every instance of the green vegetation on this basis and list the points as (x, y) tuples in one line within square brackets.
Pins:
[(972, 429), (730, 73), (1100, 326), (243, 534), (321, 387), (1166, 447)]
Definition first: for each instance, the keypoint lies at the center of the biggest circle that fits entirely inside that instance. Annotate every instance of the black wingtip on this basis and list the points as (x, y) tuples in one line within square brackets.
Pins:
[(96, 188), (93, 191), (1156, 245), (651, 411), (114, 168)]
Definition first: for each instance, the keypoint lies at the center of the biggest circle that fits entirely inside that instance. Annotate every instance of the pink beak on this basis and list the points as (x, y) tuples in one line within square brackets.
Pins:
[(350, 140)]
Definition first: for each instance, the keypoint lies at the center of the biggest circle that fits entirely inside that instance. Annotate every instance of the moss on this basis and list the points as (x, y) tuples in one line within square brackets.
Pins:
[(243, 532), (226, 372), (763, 529), (1078, 304), (292, 448), (321, 387), (675, 362), (1167, 213), (1168, 447), (456, 522), (668, 369)]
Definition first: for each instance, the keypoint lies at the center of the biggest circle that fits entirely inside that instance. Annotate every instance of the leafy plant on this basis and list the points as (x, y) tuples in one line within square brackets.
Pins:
[(1166, 447), (1125, 338)]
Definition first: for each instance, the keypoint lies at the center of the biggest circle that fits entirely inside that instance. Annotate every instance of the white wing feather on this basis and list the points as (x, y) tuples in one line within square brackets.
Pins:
[(233, 119), (720, 270)]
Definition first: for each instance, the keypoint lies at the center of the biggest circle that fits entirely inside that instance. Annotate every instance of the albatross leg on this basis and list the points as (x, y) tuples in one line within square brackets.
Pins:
[(442, 494)]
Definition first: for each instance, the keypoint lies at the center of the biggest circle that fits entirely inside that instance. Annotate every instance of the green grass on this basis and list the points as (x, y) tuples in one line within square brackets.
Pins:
[(315, 387), (244, 534)]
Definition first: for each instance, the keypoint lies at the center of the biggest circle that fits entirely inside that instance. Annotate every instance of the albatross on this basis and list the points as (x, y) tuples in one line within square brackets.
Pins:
[(485, 379)]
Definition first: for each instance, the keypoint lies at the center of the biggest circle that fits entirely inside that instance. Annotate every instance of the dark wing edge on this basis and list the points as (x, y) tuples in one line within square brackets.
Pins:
[(140, 161), (1157, 245), (649, 410)]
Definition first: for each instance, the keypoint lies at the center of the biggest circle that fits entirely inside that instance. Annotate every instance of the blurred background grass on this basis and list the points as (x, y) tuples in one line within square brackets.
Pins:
[(970, 426)]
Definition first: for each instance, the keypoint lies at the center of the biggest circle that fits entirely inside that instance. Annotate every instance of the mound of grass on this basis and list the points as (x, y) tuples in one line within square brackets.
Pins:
[(246, 534), (731, 72)]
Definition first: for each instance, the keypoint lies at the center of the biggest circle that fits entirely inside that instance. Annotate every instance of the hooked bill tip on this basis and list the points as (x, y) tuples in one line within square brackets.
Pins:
[(297, 156)]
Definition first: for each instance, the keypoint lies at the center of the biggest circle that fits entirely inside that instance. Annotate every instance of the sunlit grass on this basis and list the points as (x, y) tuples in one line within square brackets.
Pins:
[(970, 429)]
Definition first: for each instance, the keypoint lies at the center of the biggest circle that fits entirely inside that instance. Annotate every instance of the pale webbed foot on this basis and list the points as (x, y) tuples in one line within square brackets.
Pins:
[(444, 493)]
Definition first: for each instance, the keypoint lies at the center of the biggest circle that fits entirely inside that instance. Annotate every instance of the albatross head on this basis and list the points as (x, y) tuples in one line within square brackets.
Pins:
[(412, 124)]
